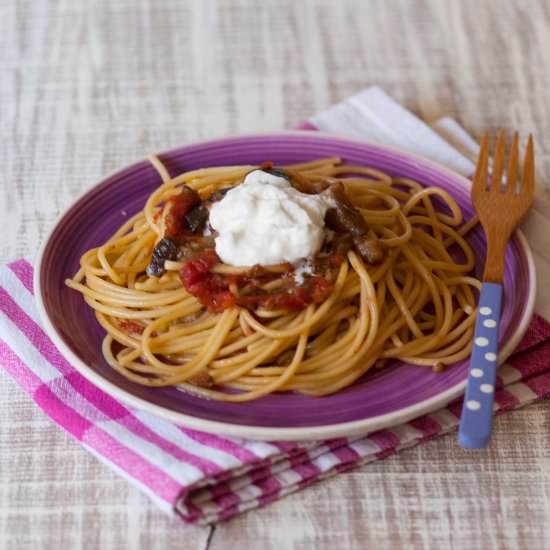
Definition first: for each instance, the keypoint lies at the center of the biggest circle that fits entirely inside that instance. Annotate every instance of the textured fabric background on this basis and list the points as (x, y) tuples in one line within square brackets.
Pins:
[(88, 86)]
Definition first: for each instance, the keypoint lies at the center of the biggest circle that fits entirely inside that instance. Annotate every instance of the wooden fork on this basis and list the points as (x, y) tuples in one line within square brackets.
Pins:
[(500, 204)]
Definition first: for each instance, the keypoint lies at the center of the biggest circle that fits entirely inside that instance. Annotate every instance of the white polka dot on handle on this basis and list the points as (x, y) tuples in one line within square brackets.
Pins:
[(476, 373), (489, 323), (491, 356), (481, 341), (487, 388), (473, 405), (485, 310)]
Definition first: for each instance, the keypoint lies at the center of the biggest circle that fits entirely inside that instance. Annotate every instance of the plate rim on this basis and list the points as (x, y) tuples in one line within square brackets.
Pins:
[(270, 433)]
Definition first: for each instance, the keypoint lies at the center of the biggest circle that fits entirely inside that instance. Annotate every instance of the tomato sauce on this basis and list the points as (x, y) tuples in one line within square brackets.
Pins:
[(210, 289), (177, 207), (213, 289), (131, 326)]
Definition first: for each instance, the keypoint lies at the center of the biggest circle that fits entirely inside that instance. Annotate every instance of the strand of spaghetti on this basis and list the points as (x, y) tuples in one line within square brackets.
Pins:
[(175, 333), (190, 307), (456, 213), (226, 375), (256, 346), (160, 168), (399, 240), (398, 298), (316, 316), (417, 346), (446, 355), (373, 173), (458, 239), (196, 179), (327, 359), (111, 273), (280, 381), (334, 316), (373, 312), (136, 301), (123, 338), (129, 225), (200, 360), (248, 341), (136, 298), (313, 164)]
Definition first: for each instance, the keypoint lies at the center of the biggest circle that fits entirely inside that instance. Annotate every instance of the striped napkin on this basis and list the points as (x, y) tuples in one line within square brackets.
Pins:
[(206, 478)]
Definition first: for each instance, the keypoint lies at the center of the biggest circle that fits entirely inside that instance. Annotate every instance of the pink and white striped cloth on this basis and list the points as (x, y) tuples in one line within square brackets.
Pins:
[(206, 478)]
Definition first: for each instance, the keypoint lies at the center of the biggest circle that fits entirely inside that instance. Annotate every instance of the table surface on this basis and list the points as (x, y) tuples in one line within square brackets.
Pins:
[(89, 87)]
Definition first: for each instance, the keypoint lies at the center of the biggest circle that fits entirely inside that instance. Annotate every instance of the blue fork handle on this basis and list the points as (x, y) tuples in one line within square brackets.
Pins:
[(477, 411)]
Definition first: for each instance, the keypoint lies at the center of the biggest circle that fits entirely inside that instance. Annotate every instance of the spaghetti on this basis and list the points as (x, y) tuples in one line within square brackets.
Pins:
[(416, 305)]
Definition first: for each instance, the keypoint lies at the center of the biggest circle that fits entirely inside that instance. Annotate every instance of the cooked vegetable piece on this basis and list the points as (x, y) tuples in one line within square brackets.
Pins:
[(166, 249)]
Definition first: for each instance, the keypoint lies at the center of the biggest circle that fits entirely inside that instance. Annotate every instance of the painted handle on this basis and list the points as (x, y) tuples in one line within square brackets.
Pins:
[(477, 412)]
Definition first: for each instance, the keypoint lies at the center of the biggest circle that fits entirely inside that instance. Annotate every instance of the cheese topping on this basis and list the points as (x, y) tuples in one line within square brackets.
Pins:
[(266, 221)]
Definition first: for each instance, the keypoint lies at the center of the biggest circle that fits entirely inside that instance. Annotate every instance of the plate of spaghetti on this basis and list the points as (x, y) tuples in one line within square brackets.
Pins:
[(285, 286)]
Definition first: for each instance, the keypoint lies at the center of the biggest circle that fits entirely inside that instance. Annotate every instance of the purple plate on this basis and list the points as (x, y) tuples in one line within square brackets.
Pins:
[(383, 398)]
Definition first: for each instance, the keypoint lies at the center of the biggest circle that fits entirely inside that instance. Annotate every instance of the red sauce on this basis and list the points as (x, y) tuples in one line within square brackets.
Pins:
[(177, 207), (314, 290), (131, 326), (336, 260), (212, 289)]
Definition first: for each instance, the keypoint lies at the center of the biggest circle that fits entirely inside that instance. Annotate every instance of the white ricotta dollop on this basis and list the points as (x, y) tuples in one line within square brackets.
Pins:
[(266, 221)]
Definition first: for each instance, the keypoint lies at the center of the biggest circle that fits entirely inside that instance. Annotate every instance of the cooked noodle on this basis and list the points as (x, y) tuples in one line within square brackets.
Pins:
[(417, 306)]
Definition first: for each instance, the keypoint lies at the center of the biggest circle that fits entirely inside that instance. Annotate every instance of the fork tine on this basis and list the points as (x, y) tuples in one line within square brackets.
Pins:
[(512, 176), (498, 162), (480, 177), (528, 177)]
